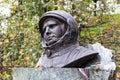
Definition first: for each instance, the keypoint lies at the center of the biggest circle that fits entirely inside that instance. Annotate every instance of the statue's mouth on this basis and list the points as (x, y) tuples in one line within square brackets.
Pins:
[(49, 38)]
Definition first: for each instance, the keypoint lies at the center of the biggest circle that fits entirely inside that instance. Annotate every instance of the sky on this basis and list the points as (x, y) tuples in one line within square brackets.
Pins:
[(4, 9)]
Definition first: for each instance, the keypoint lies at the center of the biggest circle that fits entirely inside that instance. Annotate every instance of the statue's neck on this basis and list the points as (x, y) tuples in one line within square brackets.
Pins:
[(57, 48)]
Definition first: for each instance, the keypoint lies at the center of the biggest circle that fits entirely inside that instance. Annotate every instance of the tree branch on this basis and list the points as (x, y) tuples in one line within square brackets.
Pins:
[(89, 26)]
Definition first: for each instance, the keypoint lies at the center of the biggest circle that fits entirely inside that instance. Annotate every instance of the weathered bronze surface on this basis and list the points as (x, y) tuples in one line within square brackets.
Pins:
[(59, 33)]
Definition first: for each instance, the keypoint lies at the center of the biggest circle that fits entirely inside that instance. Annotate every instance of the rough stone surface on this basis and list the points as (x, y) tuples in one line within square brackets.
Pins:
[(45, 74), (58, 74)]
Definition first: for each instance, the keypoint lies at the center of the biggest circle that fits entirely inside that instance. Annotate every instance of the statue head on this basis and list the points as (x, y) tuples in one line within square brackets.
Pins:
[(58, 27)]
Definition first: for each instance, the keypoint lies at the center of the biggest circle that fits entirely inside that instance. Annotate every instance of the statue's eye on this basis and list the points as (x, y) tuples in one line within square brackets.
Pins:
[(53, 25)]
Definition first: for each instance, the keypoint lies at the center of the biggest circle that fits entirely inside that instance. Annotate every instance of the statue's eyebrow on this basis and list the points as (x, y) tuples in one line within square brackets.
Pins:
[(51, 24)]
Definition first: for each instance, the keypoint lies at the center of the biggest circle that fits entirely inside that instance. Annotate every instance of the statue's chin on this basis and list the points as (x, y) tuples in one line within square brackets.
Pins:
[(50, 42)]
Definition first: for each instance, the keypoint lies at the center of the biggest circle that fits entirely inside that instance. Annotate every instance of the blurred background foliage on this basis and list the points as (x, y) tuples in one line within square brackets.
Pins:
[(20, 44)]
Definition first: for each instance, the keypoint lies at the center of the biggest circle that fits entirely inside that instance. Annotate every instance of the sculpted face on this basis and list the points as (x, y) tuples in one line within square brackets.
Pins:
[(53, 30)]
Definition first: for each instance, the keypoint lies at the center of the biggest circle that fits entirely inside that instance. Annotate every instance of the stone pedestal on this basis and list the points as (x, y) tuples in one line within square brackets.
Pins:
[(58, 74)]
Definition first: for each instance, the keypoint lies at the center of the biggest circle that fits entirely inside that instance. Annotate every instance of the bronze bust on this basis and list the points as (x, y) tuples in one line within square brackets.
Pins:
[(59, 33)]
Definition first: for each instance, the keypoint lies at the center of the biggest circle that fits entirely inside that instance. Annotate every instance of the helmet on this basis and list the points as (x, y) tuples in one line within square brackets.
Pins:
[(71, 33)]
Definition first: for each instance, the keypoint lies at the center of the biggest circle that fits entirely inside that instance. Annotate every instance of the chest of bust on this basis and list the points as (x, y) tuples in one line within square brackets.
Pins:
[(74, 57)]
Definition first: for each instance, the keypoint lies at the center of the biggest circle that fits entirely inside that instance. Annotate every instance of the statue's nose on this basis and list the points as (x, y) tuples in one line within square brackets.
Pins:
[(47, 31)]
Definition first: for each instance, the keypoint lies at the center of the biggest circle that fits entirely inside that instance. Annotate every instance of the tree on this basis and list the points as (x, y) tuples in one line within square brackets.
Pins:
[(20, 45)]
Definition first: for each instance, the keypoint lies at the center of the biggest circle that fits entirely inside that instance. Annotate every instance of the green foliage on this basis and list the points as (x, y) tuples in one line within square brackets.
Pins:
[(20, 44)]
